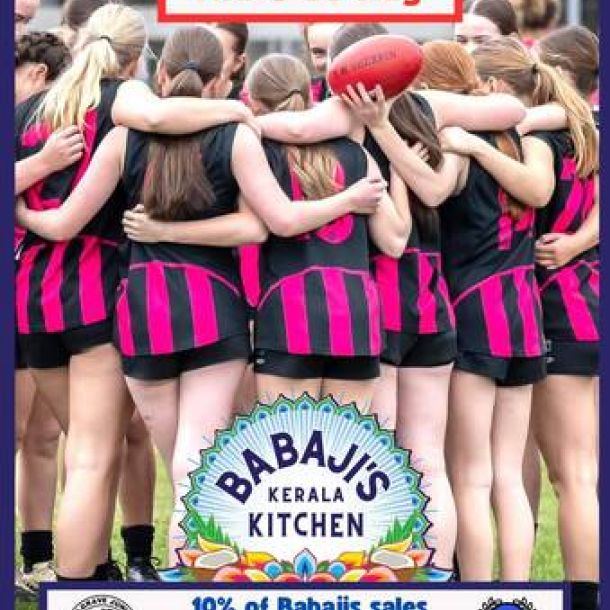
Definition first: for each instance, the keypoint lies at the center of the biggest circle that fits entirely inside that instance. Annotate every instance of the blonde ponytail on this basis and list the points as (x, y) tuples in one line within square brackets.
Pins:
[(112, 39), (507, 60), (281, 83)]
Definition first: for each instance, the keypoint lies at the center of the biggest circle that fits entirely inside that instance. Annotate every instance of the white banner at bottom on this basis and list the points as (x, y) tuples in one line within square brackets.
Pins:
[(338, 598)]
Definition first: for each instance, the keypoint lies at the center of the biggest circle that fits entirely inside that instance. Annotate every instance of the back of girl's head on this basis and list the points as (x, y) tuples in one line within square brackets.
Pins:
[(191, 58), (279, 82), (447, 66), (347, 35), (75, 13), (499, 12), (110, 42), (574, 49), (176, 186), (42, 48), (508, 61), (539, 14)]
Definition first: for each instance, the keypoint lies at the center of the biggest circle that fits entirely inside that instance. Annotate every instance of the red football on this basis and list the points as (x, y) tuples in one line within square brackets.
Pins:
[(387, 60)]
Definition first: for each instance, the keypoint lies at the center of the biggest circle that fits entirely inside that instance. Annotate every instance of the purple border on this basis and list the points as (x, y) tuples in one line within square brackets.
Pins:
[(7, 272), (7, 345)]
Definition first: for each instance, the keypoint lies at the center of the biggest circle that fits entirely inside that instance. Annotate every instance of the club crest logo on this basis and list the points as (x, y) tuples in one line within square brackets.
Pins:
[(303, 490), (516, 604)]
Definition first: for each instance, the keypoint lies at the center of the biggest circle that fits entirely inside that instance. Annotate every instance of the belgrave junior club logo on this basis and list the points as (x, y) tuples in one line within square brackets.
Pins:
[(305, 491), (516, 604), (102, 602)]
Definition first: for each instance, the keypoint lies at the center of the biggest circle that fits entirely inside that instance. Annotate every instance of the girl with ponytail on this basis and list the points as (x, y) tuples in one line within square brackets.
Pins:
[(191, 341), (558, 173), (327, 344), (65, 291), (487, 252)]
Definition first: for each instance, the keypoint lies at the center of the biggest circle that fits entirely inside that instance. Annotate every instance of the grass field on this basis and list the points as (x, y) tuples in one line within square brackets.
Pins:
[(547, 561)]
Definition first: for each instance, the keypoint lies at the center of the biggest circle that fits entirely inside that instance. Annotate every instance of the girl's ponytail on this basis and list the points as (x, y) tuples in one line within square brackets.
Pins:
[(552, 87), (112, 39), (176, 186)]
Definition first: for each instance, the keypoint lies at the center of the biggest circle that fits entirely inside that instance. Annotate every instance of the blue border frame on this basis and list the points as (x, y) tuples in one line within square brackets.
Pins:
[(7, 426)]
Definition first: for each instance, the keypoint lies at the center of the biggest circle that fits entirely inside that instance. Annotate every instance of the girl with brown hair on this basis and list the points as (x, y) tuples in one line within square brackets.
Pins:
[(234, 40), (317, 37), (558, 171), (319, 283)]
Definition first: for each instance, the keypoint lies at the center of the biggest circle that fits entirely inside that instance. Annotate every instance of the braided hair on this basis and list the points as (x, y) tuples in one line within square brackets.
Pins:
[(42, 48)]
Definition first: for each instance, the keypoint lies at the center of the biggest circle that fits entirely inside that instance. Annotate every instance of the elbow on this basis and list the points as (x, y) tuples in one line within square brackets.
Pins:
[(395, 246), (540, 198), (283, 227), (515, 111), (258, 233)]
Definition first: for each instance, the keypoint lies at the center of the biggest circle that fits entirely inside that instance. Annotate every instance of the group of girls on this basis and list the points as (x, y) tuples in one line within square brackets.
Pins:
[(417, 256)]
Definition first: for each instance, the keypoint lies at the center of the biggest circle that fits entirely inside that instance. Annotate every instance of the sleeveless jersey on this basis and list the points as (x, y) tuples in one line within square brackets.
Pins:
[(570, 295), (66, 285), (318, 296), (412, 290), (488, 260), (177, 297)]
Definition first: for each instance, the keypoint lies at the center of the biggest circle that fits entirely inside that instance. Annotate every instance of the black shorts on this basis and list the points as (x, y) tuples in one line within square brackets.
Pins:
[(54, 350), (507, 372), (20, 363), (412, 350), (170, 366), (572, 358), (292, 366)]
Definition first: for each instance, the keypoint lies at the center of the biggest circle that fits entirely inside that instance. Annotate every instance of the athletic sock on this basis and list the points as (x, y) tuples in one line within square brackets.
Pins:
[(585, 595), (138, 540), (36, 547)]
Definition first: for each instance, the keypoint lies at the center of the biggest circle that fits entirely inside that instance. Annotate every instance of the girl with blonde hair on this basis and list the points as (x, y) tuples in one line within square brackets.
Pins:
[(65, 291)]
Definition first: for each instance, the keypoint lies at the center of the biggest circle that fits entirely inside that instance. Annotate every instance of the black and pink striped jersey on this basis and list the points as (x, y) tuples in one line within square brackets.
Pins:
[(412, 290), (66, 285), (570, 295), (317, 293), (488, 259), (178, 297)]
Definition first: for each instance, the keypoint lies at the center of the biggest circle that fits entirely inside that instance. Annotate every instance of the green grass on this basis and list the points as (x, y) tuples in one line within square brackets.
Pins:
[(547, 559)]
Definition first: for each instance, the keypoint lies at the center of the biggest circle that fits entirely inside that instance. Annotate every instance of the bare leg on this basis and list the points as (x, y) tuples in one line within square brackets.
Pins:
[(157, 404), (566, 429), (385, 398), (471, 404), (514, 518), (54, 388), (207, 397), (37, 480), (25, 390), (100, 411), (532, 475), (270, 387), (347, 391), (423, 395), (246, 394), (137, 485)]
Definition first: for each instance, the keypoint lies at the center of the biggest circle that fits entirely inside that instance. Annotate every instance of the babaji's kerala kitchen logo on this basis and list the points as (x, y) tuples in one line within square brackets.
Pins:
[(305, 490)]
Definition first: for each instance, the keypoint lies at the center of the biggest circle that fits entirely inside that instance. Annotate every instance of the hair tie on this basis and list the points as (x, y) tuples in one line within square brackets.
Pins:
[(293, 91), (106, 38), (190, 65), (535, 69)]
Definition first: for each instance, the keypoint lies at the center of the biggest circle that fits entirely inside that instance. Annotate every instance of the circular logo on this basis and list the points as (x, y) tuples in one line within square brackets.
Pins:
[(102, 602), (306, 490)]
